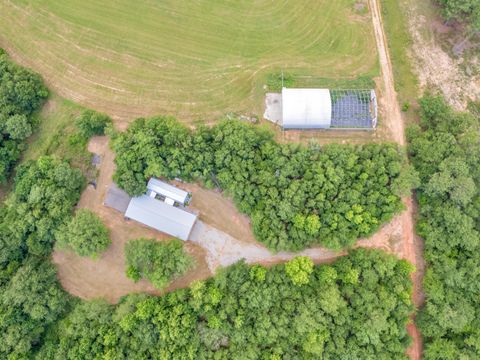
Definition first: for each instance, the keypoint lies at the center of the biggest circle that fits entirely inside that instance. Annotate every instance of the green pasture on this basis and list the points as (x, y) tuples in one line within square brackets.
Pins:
[(193, 59)]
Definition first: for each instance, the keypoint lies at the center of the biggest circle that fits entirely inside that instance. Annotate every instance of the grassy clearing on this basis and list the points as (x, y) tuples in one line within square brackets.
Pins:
[(57, 135), (399, 41), (275, 81), (194, 60)]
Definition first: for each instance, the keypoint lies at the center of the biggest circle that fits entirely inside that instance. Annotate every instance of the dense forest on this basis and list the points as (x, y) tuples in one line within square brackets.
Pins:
[(445, 149), (462, 10), (356, 308), (296, 196), (21, 93), (30, 297)]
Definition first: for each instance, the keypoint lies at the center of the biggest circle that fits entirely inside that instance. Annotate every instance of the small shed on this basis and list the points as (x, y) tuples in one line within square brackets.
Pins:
[(168, 191), (161, 216)]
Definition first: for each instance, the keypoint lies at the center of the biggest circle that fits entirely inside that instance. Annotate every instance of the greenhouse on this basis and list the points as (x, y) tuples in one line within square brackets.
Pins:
[(323, 109)]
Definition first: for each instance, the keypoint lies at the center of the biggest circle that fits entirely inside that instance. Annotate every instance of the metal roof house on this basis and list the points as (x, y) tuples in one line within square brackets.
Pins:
[(323, 109), (163, 214)]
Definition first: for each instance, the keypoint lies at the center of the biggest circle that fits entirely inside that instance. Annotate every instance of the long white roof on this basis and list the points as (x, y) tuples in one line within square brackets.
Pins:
[(161, 216), (306, 108), (167, 190)]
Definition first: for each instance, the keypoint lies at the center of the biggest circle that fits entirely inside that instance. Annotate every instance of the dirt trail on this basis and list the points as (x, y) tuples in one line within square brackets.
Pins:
[(392, 115), (224, 250), (412, 244)]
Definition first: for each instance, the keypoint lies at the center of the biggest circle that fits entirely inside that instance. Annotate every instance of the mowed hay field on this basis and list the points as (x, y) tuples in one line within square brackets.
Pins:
[(196, 60)]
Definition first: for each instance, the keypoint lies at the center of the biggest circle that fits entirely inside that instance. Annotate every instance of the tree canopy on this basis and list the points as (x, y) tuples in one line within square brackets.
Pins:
[(445, 151), (30, 298), (237, 315), (30, 302), (21, 93), (296, 196), (158, 262), (462, 10), (84, 234), (92, 123)]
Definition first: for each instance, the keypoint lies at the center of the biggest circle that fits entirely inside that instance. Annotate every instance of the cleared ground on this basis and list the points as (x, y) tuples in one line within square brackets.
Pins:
[(193, 59)]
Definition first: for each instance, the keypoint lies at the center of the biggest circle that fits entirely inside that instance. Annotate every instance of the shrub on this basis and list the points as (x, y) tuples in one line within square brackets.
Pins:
[(84, 234), (158, 262), (92, 123)]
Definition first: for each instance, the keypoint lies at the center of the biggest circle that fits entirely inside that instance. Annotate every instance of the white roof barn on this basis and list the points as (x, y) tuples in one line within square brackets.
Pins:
[(161, 216), (306, 108), (166, 213)]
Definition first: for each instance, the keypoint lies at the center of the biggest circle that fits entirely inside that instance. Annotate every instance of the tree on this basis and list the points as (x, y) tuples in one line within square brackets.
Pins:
[(443, 154), (462, 10), (92, 123), (159, 262), (21, 93), (18, 127), (44, 194), (299, 270), (84, 234), (29, 303), (238, 314)]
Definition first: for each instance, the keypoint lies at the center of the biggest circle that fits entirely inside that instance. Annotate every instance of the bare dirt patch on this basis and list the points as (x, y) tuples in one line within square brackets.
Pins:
[(436, 67), (220, 212), (105, 277)]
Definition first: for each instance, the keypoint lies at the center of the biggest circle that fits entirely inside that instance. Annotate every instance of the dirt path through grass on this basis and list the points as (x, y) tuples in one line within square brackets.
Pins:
[(413, 248)]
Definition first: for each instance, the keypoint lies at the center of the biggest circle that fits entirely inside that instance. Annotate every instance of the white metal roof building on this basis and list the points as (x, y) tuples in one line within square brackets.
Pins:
[(170, 192), (306, 108), (161, 216), (323, 109)]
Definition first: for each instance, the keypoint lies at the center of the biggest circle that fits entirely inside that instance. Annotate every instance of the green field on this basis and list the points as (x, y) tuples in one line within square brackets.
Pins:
[(193, 59)]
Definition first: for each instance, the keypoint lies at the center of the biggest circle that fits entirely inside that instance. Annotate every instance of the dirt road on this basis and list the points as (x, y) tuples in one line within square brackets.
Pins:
[(391, 114), (393, 117)]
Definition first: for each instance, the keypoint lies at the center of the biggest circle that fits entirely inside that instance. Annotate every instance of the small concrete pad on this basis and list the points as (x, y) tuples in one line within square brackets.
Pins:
[(273, 108), (117, 198)]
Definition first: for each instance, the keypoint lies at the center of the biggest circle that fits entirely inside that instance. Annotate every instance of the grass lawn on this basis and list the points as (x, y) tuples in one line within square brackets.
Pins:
[(396, 28), (193, 59), (57, 135)]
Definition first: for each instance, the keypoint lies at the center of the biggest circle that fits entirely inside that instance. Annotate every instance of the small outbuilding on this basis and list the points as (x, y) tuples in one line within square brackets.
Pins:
[(171, 193)]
